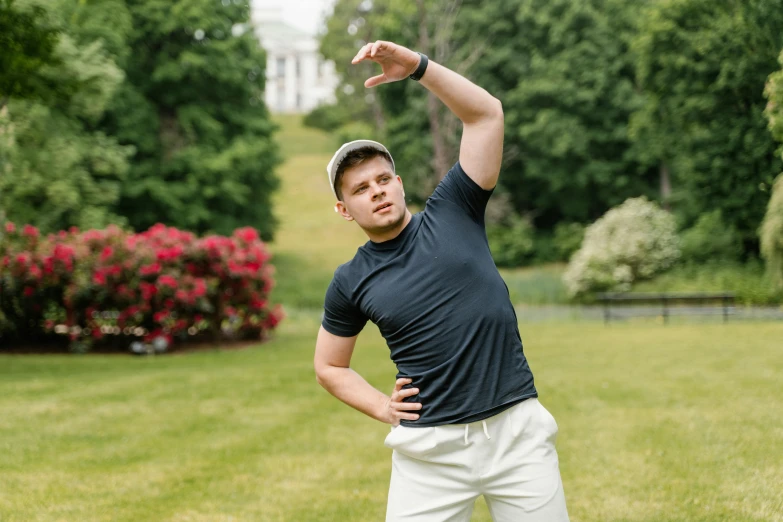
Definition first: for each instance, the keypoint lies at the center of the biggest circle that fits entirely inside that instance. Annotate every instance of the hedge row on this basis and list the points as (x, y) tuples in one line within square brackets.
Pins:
[(112, 287)]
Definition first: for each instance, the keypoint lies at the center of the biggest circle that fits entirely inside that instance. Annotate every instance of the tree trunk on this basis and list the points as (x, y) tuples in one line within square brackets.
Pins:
[(666, 186), (440, 157)]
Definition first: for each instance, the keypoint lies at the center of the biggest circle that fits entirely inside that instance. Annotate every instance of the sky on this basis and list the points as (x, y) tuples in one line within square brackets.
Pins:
[(306, 15)]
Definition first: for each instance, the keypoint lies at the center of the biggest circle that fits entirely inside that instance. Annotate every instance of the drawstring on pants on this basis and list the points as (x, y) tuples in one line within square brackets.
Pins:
[(486, 432)]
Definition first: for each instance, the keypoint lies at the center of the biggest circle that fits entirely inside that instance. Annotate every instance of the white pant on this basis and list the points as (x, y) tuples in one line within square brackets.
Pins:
[(510, 458)]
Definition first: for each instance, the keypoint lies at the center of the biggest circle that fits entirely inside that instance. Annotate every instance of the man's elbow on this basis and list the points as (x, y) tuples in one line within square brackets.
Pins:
[(491, 113), (320, 375), (497, 109), (324, 375)]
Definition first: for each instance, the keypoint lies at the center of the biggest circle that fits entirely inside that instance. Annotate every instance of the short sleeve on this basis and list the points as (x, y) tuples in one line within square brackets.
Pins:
[(341, 316), (458, 188)]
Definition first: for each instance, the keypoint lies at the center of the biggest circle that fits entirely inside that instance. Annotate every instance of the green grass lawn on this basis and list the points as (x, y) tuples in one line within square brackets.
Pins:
[(681, 423)]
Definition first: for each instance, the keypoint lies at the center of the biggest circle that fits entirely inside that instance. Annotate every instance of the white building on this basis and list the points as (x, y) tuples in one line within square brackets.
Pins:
[(297, 77)]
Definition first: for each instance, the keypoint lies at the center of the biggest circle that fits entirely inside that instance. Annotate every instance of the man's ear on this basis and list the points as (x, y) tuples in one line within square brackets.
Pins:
[(403, 188), (341, 209)]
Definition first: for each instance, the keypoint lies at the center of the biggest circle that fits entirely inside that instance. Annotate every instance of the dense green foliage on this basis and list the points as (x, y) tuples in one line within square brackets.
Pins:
[(703, 66), (158, 115), (59, 168), (193, 107), (28, 42), (710, 238), (603, 99)]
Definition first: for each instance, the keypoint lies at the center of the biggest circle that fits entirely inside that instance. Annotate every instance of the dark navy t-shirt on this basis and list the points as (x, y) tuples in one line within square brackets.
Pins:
[(441, 305)]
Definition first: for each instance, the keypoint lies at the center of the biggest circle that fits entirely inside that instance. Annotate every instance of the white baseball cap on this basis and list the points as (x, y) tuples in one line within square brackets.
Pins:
[(343, 151)]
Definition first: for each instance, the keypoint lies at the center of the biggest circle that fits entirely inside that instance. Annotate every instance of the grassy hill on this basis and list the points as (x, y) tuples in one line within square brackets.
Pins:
[(311, 240)]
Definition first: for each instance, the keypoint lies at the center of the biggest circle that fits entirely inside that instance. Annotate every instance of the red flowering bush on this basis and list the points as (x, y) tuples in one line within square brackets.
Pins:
[(112, 286)]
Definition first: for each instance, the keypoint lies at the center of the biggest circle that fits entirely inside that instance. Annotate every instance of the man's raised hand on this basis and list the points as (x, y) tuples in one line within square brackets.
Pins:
[(397, 62), (396, 410)]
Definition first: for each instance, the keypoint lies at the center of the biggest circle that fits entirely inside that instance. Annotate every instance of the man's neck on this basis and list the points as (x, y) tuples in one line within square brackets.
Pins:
[(391, 234)]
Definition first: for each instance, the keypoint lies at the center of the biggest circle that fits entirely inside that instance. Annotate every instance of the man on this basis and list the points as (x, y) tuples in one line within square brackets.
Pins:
[(464, 412)]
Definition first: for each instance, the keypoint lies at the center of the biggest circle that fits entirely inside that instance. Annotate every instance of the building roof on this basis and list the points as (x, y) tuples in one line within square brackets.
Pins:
[(279, 35)]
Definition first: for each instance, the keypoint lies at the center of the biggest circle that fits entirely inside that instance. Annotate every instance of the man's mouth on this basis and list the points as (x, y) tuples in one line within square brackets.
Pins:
[(382, 206)]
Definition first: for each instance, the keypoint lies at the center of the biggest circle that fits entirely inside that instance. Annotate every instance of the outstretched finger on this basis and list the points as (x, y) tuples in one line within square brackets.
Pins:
[(363, 53), (376, 80)]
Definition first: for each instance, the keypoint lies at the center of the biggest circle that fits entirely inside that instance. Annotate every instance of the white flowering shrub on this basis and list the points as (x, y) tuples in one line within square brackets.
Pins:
[(633, 241), (771, 233)]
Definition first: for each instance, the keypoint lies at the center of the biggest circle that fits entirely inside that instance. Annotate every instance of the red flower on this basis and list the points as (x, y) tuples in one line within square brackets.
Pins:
[(10, 227), (257, 303), (152, 269), (30, 231), (169, 254), (200, 288), (48, 265), (167, 280), (161, 316), (99, 278), (246, 234), (29, 291), (107, 253), (35, 272), (148, 290)]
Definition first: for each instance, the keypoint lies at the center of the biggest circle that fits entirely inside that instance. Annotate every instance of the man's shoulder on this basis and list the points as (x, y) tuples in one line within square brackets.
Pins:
[(354, 267)]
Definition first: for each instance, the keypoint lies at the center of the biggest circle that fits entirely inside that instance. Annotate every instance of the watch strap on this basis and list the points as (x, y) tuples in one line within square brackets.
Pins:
[(419, 72)]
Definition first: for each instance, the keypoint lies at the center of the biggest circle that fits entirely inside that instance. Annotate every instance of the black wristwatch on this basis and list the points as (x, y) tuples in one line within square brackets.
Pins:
[(419, 72)]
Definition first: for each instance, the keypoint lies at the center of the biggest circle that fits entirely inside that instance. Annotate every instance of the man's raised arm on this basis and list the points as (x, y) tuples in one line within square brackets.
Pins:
[(481, 149)]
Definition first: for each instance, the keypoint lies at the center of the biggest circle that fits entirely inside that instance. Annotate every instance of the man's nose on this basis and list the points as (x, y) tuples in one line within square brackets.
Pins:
[(377, 191)]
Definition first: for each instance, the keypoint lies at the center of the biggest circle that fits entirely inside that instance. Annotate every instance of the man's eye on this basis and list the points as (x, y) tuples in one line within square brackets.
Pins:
[(360, 190), (385, 179)]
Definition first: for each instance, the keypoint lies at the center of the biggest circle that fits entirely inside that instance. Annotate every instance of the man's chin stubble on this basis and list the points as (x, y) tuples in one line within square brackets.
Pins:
[(387, 228)]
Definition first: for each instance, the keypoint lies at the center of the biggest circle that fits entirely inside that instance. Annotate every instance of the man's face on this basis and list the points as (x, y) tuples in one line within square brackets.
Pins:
[(373, 196)]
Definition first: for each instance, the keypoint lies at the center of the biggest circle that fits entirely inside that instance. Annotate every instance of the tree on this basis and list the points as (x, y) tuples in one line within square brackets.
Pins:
[(28, 41), (192, 107), (703, 66), (564, 74), (351, 24), (57, 169), (565, 77)]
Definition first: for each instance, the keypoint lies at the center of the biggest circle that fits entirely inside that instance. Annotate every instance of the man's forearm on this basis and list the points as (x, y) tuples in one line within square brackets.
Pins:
[(469, 102), (353, 390)]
